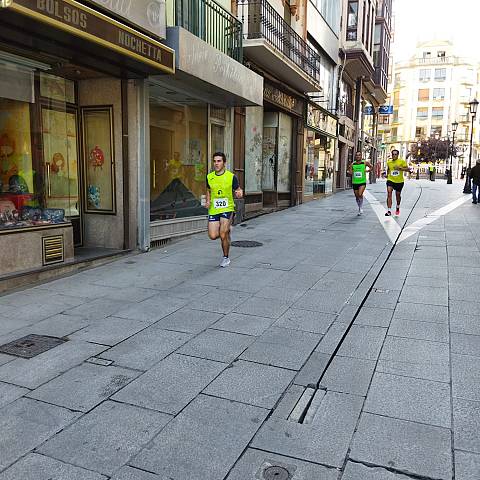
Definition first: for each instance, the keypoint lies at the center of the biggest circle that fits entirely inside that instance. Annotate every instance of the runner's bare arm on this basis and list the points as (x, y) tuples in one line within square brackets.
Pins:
[(349, 168), (369, 165), (207, 202)]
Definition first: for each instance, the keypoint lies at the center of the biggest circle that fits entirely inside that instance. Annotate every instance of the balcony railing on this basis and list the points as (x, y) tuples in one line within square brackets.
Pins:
[(261, 21), (435, 60), (209, 21)]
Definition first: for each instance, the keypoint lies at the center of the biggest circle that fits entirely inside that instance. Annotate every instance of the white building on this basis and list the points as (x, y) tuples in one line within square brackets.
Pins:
[(430, 92)]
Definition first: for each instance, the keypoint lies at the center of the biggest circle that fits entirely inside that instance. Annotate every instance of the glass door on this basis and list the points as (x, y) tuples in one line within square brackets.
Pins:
[(60, 165)]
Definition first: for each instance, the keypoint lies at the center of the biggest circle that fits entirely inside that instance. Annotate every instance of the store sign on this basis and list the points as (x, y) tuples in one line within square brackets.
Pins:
[(148, 15), (86, 23), (282, 99), (320, 119)]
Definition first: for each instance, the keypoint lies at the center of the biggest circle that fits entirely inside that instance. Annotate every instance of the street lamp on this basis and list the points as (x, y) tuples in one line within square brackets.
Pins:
[(473, 112), (419, 150), (450, 168)]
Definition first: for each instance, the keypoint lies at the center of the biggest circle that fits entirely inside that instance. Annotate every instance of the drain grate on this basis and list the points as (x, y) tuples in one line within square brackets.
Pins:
[(276, 473), (246, 244), (31, 345)]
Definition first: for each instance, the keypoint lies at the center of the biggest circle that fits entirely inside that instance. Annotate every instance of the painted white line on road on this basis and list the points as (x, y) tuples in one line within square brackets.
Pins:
[(391, 227), (431, 217)]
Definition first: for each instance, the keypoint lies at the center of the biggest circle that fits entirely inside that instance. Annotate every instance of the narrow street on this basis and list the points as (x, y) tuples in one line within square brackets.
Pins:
[(323, 354)]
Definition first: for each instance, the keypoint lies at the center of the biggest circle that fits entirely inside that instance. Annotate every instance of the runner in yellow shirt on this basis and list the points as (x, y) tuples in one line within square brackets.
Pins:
[(395, 181)]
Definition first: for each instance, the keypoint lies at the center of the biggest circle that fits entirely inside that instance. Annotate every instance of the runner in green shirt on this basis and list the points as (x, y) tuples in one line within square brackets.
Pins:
[(222, 187), (358, 171)]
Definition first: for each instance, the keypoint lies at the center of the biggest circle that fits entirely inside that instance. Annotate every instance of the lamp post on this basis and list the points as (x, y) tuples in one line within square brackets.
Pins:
[(450, 168), (419, 150), (473, 112)]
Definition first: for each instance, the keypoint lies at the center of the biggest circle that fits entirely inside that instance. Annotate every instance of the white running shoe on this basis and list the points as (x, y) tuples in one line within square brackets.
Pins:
[(360, 211), (225, 262)]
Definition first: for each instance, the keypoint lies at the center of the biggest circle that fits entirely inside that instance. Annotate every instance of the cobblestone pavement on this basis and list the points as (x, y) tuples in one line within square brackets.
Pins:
[(321, 355)]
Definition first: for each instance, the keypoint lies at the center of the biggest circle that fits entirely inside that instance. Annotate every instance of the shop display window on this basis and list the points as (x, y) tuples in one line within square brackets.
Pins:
[(178, 159), (38, 152), (319, 164)]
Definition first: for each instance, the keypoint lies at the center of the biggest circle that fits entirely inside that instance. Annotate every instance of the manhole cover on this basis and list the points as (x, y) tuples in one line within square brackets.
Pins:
[(246, 243), (31, 345), (276, 473)]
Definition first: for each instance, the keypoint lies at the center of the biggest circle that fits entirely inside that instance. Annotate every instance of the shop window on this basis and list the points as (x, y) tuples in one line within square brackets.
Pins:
[(424, 95), (319, 165), (178, 159), (419, 132)]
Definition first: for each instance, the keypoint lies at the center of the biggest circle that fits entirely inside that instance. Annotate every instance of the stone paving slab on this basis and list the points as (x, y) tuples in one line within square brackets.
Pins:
[(348, 375), (363, 342), (119, 430), (109, 331), (305, 320), (152, 309), (188, 320), (310, 373), (40, 467), (10, 393), (466, 418), (425, 295), (374, 317), (31, 373), (204, 441), (147, 348), (357, 471), (467, 324), (214, 301), (408, 447), (332, 338), (252, 383), (282, 347), (467, 465), (172, 384), (130, 473), (5, 358), (466, 377), (435, 332), (420, 312), (84, 387), (415, 351), (253, 463), (217, 345), (25, 424), (283, 294), (410, 399), (324, 441), (244, 324), (263, 307), (465, 344), (99, 308)]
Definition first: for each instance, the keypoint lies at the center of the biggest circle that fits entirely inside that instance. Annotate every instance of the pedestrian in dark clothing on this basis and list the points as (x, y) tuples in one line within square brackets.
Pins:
[(475, 177)]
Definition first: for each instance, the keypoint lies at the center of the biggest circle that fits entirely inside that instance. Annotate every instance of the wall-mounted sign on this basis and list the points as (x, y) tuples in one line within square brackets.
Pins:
[(148, 15), (86, 23), (382, 110), (321, 119), (284, 100)]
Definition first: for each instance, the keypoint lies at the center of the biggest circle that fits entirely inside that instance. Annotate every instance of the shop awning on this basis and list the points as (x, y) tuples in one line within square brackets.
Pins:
[(88, 32)]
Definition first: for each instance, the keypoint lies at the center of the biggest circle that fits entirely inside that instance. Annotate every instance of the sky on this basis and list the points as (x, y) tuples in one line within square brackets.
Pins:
[(418, 20)]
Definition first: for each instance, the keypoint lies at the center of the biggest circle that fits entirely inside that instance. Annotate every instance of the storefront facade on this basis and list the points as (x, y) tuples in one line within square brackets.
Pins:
[(191, 116), (71, 90), (321, 159), (273, 150)]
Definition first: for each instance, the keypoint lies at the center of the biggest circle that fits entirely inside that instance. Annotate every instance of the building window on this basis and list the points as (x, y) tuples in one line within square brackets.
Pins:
[(419, 132), (395, 116), (440, 74), (352, 20), (422, 112), (437, 113), (427, 54), (425, 75), (424, 95), (330, 11), (438, 93), (441, 54)]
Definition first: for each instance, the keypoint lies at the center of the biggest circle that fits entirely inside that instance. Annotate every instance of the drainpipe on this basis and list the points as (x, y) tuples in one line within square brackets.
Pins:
[(358, 112), (143, 166)]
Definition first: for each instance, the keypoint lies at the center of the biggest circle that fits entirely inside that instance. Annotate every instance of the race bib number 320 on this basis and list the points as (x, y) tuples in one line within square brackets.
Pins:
[(220, 203)]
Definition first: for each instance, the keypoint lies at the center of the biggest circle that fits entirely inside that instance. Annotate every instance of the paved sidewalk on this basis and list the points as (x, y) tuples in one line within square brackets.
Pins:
[(175, 369)]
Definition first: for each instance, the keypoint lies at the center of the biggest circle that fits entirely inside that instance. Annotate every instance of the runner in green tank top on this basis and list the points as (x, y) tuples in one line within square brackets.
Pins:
[(222, 187), (358, 171)]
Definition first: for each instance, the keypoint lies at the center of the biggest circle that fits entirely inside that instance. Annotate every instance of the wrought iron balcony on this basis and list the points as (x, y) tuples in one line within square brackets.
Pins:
[(262, 22), (209, 21)]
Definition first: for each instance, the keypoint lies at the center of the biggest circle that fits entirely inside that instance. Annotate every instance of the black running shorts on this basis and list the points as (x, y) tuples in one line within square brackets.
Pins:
[(396, 186)]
